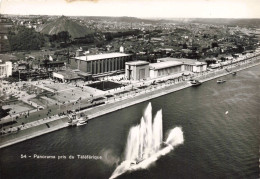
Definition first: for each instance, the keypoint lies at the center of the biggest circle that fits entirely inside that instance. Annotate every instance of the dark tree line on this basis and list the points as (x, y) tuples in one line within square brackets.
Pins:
[(25, 39), (63, 36)]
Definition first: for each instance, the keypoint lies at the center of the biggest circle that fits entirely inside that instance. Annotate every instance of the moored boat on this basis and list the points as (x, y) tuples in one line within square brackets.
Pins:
[(81, 122), (73, 122), (221, 81), (195, 83)]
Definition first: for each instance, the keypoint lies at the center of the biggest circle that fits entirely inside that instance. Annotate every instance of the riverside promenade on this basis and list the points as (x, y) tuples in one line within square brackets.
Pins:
[(40, 127)]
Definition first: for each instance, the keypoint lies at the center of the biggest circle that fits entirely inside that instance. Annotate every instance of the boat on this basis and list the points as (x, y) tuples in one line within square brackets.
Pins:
[(73, 122), (195, 83), (137, 161), (221, 81), (81, 122), (234, 73)]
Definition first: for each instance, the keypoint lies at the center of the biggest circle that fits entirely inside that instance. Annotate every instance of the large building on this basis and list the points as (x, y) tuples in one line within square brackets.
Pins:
[(66, 76), (165, 68), (101, 64), (5, 69), (188, 64), (137, 70)]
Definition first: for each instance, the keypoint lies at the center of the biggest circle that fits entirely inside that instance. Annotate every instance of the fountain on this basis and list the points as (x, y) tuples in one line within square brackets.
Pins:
[(145, 145)]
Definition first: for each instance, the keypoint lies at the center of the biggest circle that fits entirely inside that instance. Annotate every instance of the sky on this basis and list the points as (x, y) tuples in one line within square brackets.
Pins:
[(135, 8)]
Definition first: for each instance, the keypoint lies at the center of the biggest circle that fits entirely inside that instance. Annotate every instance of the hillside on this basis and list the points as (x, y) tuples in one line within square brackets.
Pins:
[(65, 24)]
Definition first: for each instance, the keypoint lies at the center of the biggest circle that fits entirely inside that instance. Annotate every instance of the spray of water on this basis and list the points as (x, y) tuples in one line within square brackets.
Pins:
[(144, 143), (109, 158)]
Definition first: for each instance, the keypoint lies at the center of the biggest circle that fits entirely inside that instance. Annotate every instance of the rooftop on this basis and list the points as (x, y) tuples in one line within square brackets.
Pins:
[(101, 56), (164, 64), (137, 63), (182, 60), (68, 74)]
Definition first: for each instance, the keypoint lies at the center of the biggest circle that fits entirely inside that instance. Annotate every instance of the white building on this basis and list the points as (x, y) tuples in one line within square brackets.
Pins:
[(121, 49), (165, 68), (137, 70), (188, 64), (5, 69)]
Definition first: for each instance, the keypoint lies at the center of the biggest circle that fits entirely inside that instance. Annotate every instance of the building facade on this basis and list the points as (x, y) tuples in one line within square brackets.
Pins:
[(165, 68), (101, 63), (5, 69), (188, 64), (137, 70), (66, 76)]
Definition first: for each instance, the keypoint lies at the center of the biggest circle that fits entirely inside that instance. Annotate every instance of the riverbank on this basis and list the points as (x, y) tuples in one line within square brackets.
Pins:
[(163, 90), (124, 102)]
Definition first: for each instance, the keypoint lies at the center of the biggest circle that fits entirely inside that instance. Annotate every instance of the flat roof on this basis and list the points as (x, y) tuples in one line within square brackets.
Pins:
[(68, 74), (52, 62), (137, 63), (183, 60), (102, 56), (80, 73), (166, 64)]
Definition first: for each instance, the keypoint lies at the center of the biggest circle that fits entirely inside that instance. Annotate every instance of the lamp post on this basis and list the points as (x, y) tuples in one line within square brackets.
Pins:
[(59, 104), (79, 103), (19, 75)]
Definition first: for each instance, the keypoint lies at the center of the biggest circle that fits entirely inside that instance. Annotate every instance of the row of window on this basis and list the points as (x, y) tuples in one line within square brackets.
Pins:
[(105, 65), (188, 67), (170, 70)]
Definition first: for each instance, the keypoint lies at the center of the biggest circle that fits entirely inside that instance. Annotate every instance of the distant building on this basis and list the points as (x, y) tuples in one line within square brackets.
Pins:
[(79, 52), (53, 65), (101, 64), (121, 49), (137, 70), (156, 39), (66, 76), (5, 69)]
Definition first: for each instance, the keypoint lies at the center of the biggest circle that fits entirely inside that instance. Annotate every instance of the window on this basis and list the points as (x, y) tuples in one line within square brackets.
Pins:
[(93, 67), (88, 66)]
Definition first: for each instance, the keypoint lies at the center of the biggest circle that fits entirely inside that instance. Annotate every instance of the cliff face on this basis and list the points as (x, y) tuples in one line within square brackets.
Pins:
[(65, 24)]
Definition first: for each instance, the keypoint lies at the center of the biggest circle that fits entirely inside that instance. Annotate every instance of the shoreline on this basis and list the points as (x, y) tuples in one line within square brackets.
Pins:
[(115, 106)]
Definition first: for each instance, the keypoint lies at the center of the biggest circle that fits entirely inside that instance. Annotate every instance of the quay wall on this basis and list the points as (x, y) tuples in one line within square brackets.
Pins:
[(163, 90), (32, 132)]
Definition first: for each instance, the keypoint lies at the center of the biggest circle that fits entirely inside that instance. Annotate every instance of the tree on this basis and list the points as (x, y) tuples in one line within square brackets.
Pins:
[(63, 36), (109, 37), (214, 44), (26, 39)]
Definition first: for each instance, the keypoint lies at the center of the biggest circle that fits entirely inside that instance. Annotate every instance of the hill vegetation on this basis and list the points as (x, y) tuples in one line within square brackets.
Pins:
[(63, 24)]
